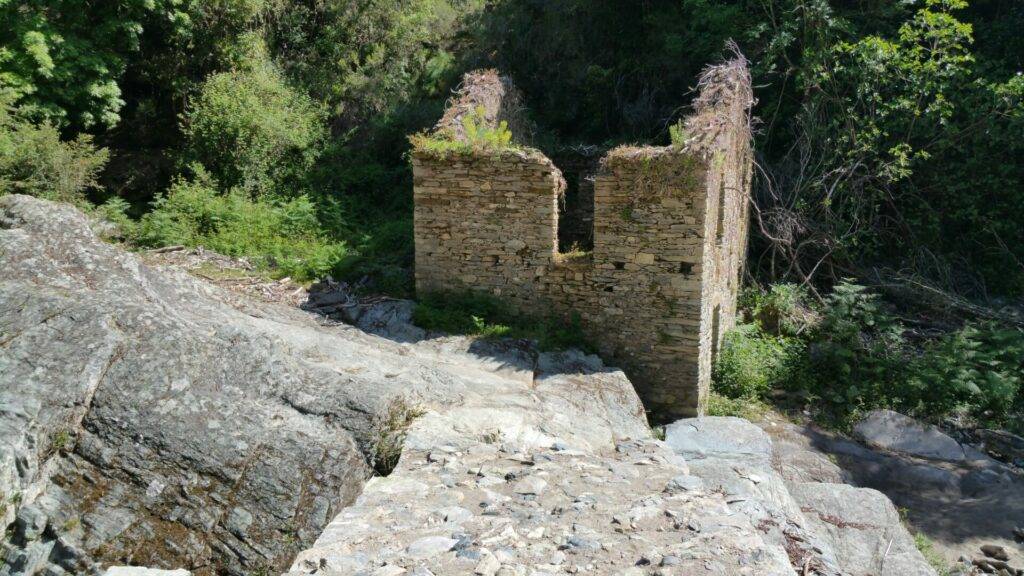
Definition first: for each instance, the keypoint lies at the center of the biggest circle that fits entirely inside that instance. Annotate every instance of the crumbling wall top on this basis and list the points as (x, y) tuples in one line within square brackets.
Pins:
[(498, 99), (722, 106)]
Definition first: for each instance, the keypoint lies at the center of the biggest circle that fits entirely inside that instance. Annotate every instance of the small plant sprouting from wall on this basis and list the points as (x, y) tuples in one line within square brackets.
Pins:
[(478, 136), (677, 132), (61, 441), (627, 214)]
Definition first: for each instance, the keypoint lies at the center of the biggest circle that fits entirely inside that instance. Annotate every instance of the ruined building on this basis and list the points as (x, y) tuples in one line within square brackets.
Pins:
[(659, 233)]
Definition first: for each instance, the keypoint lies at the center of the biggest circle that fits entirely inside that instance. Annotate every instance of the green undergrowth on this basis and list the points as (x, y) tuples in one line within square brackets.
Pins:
[(479, 314), (477, 137), (925, 545), (749, 407), (851, 353), (280, 235)]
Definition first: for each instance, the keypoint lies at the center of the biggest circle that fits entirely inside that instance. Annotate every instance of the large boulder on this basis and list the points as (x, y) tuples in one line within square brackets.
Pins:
[(864, 529), (149, 418), (894, 431), (825, 527), (734, 457)]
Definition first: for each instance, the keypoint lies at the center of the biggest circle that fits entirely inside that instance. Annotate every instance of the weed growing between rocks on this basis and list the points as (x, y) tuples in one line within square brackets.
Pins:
[(927, 549), (389, 434)]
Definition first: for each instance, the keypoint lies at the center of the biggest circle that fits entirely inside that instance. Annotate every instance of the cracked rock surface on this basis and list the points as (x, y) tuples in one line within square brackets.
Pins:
[(148, 418)]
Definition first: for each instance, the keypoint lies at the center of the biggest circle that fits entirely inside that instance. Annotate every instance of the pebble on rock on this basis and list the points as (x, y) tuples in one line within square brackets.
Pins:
[(430, 546)]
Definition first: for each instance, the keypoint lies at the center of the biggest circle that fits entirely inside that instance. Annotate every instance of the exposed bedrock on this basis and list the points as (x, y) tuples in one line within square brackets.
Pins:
[(150, 419)]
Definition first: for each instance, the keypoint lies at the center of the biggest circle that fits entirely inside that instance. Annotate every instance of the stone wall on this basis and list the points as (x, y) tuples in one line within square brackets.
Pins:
[(658, 290)]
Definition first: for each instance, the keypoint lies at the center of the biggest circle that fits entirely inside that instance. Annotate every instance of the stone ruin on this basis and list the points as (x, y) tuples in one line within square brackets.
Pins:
[(645, 249)]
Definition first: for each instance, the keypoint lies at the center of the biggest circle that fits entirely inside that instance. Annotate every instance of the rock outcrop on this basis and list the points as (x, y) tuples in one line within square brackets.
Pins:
[(964, 501), (148, 418), (151, 419)]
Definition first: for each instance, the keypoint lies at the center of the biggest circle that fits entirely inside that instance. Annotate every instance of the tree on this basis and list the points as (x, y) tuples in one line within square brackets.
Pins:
[(62, 61)]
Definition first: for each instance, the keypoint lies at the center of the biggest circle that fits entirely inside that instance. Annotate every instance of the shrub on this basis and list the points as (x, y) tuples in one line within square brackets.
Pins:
[(35, 161), (857, 353), (853, 355), (977, 369), (782, 309), (481, 136), (282, 235), (752, 409), (254, 132), (678, 135), (751, 363)]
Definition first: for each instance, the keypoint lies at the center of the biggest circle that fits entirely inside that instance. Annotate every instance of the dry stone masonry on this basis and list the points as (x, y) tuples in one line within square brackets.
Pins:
[(668, 232)]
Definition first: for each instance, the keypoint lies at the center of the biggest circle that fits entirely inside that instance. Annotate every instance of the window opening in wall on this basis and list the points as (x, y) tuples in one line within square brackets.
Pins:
[(685, 268), (576, 213)]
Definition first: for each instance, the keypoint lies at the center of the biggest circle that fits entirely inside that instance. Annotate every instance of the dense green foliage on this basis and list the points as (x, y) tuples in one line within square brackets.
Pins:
[(889, 133), (851, 354), (35, 161), (252, 131), (63, 62), (283, 235), (877, 118)]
